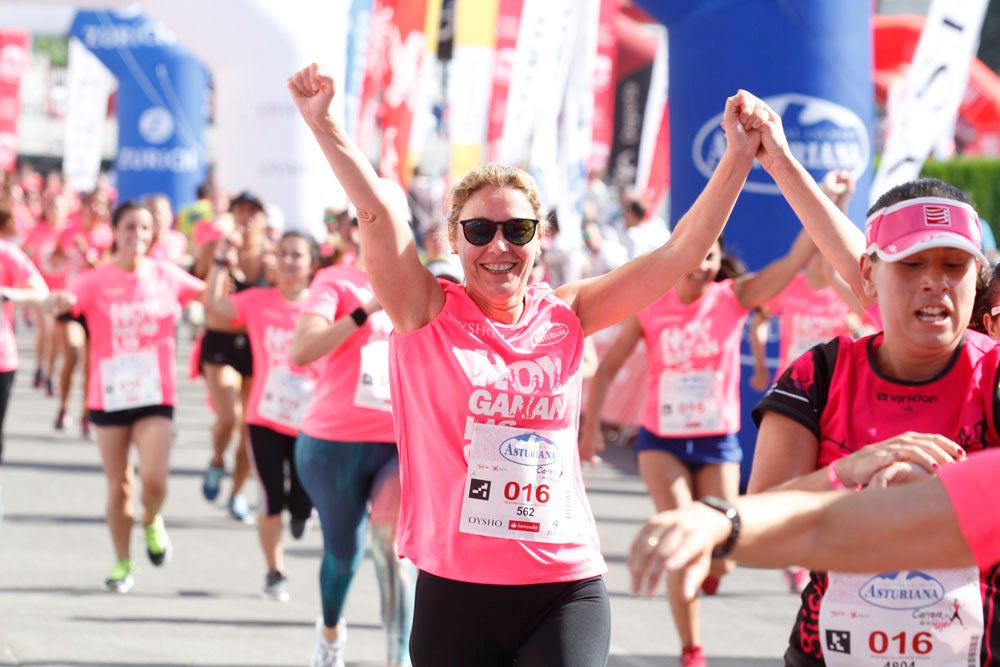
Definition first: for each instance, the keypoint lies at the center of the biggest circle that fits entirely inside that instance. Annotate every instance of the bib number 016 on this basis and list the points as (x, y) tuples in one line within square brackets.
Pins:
[(880, 642), (528, 493)]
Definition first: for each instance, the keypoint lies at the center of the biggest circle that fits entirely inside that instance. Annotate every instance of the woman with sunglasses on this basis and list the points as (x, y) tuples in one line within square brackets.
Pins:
[(486, 396)]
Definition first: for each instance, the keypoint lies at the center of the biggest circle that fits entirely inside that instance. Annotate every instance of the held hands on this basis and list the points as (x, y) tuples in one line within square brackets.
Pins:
[(59, 301), (760, 120), (761, 378), (312, 89), (838, 185), (875, 465)]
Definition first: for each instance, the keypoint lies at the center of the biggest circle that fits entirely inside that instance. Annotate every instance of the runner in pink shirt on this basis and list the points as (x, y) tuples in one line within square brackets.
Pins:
[(923, 391), (131, 304), (280, 391), (485, 380), (687, 446), (346, 453), (168, 243)]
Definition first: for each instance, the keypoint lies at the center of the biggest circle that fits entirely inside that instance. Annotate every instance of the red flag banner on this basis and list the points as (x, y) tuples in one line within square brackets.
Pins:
[(14, 46), (604, 86), (508, 25)]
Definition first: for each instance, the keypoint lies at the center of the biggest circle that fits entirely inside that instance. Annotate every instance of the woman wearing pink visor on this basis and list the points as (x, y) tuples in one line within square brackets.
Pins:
[(921, 392)]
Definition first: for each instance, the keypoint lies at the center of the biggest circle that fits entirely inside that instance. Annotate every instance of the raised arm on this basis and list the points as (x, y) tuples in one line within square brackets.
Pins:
[(407, 291), (604, 300), (837, 237), (756, 289)]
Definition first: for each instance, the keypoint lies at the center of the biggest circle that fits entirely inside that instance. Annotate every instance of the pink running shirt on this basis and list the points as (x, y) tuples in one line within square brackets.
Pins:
[(808, 317), (337, 411), (464, 370), (971, 485), (693, 353), (132, 314), (45, 251), (15, 270), (172, 247), (270, 321)]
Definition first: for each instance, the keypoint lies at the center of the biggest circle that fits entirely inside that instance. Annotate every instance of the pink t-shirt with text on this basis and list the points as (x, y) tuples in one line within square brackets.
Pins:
[(15, 270), (458, 374), (808, 317), (270, 321), (693, 353), (336, 413), (130, 313)]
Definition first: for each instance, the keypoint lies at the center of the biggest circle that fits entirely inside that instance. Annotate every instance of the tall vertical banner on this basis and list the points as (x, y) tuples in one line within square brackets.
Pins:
[(507, 27), (14, 45), (162, 102), (88, 84), (652, 170), (406, 53), (931, 90), (471, 81), (811, 61), (637, 47), (359, 19), (604, 87)]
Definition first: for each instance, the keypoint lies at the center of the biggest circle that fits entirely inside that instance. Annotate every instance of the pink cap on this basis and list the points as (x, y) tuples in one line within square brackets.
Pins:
[(900, 230)]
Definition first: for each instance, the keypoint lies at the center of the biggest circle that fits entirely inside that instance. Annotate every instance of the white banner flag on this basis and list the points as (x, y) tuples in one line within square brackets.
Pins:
[(88, 84), (932, 90)]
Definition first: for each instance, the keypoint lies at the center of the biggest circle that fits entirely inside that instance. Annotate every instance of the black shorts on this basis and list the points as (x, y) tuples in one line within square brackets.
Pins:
[(70, 317), (130, 416), (227, 349), (273, 453)]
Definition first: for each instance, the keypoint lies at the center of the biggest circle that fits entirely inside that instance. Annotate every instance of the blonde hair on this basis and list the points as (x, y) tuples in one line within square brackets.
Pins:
[(498, 176)]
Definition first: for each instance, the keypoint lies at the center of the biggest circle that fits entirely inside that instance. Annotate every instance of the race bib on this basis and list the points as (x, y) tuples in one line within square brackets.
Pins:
[(131, 381), (520, 486), (373, 380), (285, 397), (690, 403), (902, 619)]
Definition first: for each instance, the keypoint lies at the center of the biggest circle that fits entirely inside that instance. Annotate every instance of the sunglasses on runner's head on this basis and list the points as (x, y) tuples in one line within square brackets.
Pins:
[(480, 231)]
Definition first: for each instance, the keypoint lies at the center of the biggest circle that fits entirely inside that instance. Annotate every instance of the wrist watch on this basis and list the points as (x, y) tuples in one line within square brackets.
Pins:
[(730, 513)]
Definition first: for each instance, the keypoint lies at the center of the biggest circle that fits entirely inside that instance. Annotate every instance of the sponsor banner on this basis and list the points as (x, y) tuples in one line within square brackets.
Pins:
[(469, 82), (428, 89), (651, 150), (359, 19), (14, 45), (637, 45), (405, 55), (603, 85), (377, 71), (931, 91), (88, 85), (507, 27), (162, 95)]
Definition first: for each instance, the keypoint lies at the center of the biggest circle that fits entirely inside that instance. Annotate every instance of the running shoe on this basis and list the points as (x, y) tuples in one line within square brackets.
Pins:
[(692, 656), (121, 578), (212, 481), (300, 527), (60, 423), (39, 378), (50, 390), (158, 544), (276, 586), (239, 508), (710, 586), (798, 579), (329, 653)]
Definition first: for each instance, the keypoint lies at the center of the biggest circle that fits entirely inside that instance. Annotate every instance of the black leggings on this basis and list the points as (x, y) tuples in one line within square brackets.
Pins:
[(274, 461), (6, 383), (458, 624)]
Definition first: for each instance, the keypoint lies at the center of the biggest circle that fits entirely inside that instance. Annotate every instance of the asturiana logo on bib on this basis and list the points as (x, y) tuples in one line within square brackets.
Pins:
[(529, 449), (823, 135), (907, 589)]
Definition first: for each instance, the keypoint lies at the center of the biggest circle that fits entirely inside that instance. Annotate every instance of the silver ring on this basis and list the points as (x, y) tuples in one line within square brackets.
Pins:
[(652, 541)]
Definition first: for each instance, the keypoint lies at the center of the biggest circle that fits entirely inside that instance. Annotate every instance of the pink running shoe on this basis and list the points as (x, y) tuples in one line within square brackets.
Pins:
[(692, 656)]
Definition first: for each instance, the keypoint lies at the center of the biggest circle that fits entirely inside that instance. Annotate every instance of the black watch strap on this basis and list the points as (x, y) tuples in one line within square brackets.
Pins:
[(359, 316), (730, 512)]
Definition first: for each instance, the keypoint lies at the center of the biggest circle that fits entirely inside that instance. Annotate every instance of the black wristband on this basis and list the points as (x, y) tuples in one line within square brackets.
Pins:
[(359, 316), (221, 262), (730, 512)]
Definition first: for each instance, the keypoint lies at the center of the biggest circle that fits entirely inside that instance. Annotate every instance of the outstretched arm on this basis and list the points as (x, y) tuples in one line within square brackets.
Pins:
[(604, 300), (407, 291), (756, 289), (837, 237), (901, 527)]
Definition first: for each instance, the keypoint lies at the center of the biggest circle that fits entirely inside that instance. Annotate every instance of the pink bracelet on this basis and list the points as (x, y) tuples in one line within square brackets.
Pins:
[(835, 481)]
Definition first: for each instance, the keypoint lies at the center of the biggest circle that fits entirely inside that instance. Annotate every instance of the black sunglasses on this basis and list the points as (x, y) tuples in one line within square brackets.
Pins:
[(480, 231)]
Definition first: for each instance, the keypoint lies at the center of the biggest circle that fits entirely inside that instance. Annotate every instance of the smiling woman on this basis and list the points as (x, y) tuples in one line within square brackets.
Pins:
[(486, 390)]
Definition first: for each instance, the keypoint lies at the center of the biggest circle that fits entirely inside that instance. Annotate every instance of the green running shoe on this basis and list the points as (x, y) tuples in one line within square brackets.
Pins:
[(121, 578), (157, 542)]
